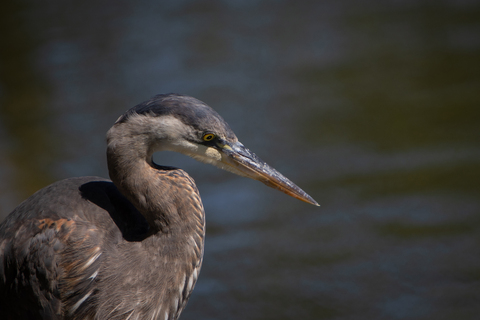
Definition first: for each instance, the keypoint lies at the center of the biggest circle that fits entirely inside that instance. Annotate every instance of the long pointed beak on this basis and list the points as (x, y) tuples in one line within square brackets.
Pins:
[(242, 161)]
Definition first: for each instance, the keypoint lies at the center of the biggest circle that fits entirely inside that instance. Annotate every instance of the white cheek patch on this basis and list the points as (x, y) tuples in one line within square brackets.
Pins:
[(182, 146), (213, 153), (206, 155), (199, 152)]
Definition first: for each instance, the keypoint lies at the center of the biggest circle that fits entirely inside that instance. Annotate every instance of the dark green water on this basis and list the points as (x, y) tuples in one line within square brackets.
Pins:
[(373, 108)]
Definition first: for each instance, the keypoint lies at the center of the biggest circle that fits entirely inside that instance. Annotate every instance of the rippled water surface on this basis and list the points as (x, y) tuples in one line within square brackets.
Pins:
[(373, 108)]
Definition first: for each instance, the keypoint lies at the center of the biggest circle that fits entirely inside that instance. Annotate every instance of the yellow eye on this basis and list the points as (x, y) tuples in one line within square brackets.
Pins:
[(208, 137)]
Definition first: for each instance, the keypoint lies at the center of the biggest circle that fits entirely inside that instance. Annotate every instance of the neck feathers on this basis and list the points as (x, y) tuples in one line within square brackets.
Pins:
[(166, 197)]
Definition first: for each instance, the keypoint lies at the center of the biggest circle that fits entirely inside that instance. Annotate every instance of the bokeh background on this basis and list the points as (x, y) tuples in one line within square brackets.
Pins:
[(372, 107)]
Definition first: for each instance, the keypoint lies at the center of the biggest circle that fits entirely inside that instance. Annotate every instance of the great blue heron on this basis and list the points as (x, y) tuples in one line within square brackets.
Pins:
[(87, 248)]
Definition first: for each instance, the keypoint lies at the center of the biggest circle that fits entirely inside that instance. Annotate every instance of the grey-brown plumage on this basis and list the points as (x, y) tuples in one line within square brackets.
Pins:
[(130, 248)]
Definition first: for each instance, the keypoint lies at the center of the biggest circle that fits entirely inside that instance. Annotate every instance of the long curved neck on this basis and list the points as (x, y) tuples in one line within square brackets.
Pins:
[(171, 204), (167, 198)]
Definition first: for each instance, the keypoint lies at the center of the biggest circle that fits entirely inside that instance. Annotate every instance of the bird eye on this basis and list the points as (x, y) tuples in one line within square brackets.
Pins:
[(208, 137)]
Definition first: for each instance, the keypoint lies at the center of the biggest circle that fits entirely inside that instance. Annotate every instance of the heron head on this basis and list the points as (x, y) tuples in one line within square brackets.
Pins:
[(186, 125)]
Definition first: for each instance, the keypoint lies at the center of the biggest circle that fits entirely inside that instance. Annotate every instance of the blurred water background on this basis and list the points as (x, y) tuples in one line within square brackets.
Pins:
[(372, 107)]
